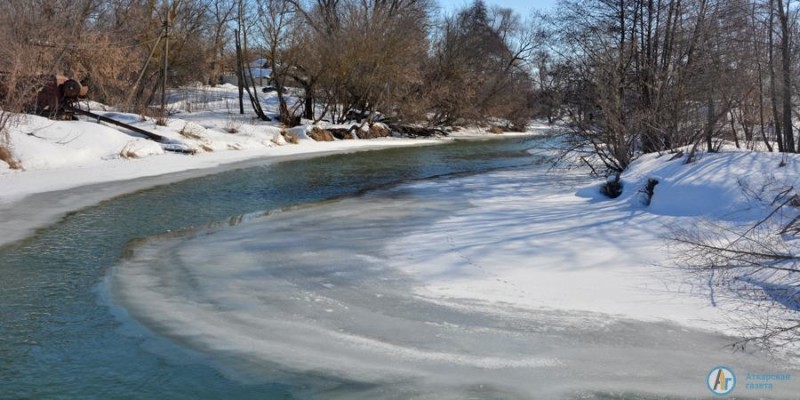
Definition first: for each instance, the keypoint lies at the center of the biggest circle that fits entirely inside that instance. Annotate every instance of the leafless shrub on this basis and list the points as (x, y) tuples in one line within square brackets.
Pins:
[(755, 269), (320, 135), (289, 136), (187, 133), (233, 125)]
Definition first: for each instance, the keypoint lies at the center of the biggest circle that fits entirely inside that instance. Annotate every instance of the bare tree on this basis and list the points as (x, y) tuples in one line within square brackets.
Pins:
[(481, 66), (246, 81), (347, 74), (33, 52), (222, 13), (786, 64), (275, 26)]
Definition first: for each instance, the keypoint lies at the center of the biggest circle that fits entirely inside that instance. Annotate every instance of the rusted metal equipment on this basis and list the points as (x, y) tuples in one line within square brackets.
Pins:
[(57, 97)]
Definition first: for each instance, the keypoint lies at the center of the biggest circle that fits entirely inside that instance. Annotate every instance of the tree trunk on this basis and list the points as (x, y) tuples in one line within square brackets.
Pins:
[(239, 73), (786, 38), (772, 87), (710, 122), (308, 100), (761, 115)]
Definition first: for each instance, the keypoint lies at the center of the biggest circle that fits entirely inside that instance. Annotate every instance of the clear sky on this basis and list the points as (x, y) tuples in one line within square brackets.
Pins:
[(522, 7)]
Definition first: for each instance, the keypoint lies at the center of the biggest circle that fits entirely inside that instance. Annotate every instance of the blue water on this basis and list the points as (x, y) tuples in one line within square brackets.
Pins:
[(59, 339)]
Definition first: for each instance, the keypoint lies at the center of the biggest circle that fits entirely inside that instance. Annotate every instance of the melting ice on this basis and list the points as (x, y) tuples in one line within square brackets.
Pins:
[(495, 285)]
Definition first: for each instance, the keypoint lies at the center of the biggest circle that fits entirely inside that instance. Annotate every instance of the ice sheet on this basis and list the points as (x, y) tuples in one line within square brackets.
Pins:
[(495, 285)]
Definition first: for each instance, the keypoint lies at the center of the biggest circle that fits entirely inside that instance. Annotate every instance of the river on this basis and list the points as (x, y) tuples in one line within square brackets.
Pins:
[(59, 337), (284, 280)]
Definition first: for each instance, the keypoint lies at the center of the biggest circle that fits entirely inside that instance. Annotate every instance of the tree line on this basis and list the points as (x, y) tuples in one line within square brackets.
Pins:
[(401, 58), (629, 76), (639, 76)]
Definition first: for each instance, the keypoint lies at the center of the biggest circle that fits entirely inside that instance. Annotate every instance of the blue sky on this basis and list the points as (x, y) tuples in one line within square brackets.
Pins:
[(523, 7)]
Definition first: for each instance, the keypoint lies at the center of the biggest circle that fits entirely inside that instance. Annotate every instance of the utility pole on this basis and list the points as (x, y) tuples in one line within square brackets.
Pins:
[(166, 65), (144, 68)]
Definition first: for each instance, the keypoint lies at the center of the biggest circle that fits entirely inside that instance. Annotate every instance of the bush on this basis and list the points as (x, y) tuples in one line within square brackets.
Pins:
[(8, 158), (320, 135), (289, 136), (375, 131), (613, 187)]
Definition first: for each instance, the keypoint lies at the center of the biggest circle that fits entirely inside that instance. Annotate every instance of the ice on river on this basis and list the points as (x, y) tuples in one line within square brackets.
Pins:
[(502, 284)]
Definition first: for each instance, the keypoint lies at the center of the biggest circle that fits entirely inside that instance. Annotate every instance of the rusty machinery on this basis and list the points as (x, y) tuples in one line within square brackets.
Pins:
[(58, 96)]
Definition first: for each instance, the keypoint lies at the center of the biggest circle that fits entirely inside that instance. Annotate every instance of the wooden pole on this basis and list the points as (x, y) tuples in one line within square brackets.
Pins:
[(141, 73), (166, 66)]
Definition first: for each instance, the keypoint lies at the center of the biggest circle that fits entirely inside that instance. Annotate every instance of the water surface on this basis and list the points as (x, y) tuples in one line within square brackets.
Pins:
[(60, 339)]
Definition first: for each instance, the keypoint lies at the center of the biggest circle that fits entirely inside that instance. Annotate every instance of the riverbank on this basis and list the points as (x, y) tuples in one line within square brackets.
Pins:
[(57, 157), (37, 197)]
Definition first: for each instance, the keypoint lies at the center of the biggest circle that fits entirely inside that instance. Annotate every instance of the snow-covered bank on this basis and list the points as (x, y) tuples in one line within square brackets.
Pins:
[(544, 244), (35, 198), (60, 157)]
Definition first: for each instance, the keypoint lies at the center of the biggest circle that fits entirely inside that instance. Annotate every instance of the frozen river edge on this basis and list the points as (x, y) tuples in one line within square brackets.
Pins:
[(38, 198), (504, 281)]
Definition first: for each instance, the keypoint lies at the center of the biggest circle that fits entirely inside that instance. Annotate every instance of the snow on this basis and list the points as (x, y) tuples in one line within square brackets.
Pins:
[(533, 243), (717, 185), (45, 144), (58, 155), (517, 279)]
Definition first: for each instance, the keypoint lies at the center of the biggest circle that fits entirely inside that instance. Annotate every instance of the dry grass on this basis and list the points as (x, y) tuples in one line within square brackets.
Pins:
[(128, 152), (206, 148), (375, 131), (289, 136), (187, 133), (233, 126), (496, 130), (8, 158), (321, 135)]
